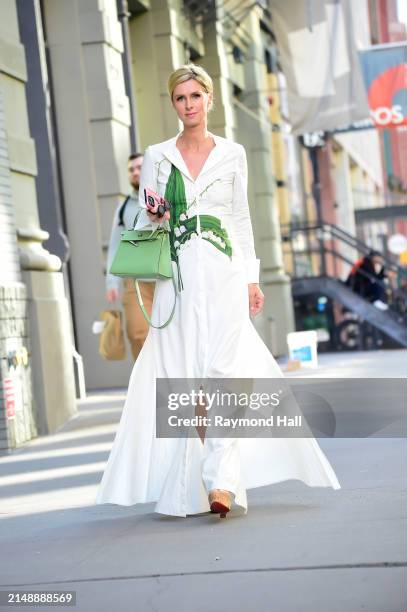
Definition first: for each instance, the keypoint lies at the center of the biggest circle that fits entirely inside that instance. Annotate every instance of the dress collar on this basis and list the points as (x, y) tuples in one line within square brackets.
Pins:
[(172, 153)]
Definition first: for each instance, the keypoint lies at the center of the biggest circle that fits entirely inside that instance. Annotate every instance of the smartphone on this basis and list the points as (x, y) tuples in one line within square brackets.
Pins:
[(156, 204)]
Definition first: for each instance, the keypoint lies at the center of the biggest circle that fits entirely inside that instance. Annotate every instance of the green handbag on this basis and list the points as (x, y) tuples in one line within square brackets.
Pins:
[(145, 255)]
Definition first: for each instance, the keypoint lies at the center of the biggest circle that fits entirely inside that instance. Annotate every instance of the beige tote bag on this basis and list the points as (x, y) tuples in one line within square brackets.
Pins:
[(111, 343)]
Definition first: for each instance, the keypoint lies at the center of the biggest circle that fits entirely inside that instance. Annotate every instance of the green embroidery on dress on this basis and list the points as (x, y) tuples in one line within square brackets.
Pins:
[(183, 227), (202, 192)]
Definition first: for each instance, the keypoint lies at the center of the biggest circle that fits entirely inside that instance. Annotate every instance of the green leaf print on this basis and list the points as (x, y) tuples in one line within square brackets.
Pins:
[(181, 230), (175, 193)]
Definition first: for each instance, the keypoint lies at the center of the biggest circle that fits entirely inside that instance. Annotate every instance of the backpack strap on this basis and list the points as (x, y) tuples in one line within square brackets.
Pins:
[(121, 211)]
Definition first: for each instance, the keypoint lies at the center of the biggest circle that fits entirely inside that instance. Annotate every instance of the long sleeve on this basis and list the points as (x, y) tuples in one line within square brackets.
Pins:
[(241, 219), (112, 281), (147, 179)]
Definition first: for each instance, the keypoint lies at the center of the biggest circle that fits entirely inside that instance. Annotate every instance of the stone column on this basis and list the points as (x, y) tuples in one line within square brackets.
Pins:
[(84, 40), (158, 33)]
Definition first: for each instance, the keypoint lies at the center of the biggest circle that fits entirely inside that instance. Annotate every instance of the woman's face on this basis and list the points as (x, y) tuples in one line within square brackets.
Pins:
[(191, 102)]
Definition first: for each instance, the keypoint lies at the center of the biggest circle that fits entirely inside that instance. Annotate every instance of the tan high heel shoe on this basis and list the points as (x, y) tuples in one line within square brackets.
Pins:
[(220, 501)]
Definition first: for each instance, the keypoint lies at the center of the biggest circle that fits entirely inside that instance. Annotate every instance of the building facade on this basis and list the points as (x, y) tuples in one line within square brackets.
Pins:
[(350, 177), (67, 127)]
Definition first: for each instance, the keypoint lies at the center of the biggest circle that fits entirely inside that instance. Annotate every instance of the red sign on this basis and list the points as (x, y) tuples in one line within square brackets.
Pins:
[(9, 397)]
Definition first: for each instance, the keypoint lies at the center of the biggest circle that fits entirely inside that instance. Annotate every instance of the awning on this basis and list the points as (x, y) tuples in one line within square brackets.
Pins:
[(325, 88)]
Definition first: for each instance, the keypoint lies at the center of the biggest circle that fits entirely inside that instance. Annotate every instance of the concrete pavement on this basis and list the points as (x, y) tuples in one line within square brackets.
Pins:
[(298, 548)]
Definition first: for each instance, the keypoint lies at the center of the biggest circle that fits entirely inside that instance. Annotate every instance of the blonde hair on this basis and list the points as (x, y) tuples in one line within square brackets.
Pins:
[(187, 72)]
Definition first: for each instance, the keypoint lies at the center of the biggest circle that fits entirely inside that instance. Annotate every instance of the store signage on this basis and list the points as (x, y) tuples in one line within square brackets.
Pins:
[(385, 75)]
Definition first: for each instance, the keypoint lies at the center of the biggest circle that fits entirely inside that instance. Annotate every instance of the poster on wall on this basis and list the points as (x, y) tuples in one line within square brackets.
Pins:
[(385, 76)]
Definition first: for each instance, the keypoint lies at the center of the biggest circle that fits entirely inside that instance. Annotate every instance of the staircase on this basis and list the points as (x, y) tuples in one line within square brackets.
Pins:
[(386, 321), (320, 246)]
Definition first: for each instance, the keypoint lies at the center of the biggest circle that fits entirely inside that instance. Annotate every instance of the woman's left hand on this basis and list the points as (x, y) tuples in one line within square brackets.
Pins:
[(256, 299)]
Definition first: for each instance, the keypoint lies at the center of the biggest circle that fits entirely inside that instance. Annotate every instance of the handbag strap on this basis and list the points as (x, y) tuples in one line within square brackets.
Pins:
[(138, 292), (144, 311)]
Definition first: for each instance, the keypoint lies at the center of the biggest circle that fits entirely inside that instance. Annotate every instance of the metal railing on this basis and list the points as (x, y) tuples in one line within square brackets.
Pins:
[(322, 249)]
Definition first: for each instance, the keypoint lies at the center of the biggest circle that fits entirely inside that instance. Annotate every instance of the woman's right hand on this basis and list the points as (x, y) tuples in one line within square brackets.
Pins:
[(157, 219)]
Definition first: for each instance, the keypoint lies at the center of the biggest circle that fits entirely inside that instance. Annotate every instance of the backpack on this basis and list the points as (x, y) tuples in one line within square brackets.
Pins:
[(353, 271)]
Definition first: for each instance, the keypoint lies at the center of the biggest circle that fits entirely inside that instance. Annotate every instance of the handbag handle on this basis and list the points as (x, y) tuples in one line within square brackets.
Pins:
[(144, 311), (138, 292)]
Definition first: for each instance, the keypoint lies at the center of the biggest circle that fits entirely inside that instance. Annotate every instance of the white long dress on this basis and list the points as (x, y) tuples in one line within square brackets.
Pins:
[(211, 335)]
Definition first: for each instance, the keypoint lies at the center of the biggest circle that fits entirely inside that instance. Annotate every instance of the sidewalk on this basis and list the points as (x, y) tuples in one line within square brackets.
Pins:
[(298, 548), (360, 364)]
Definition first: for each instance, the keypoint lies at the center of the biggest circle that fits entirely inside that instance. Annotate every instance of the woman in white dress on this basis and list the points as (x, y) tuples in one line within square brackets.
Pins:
[(211, 335)]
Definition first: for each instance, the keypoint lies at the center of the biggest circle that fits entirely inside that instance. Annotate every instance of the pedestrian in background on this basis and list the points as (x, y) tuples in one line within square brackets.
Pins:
[(367, 277), (124, 289)]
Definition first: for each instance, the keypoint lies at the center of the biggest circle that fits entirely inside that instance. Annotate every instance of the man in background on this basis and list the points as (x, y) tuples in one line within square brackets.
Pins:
[(136, 325)]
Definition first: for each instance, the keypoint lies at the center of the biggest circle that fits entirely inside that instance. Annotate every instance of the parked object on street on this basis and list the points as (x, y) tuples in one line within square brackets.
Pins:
[(302, 346)]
